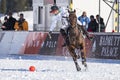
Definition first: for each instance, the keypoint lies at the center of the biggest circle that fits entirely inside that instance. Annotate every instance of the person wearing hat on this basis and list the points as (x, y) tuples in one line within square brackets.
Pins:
[(59, 19), (11, 21), (5, 25), (92, 25), (21, 24), (60, 15)]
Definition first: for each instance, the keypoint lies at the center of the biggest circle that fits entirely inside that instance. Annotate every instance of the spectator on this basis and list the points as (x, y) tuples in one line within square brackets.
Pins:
[(11, 22), (21, 24), (84, 20), (0, 25), (101, 22), (93, 25), (5, 25)]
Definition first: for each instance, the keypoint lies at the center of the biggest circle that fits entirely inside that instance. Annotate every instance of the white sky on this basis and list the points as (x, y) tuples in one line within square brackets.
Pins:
[(92, 8)]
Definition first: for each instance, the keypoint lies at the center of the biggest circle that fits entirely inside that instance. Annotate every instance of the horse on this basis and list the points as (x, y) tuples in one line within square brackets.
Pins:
[(75, 40)]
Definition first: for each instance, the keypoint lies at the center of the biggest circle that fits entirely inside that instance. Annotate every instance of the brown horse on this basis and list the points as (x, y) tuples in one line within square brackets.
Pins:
[(75, 40)]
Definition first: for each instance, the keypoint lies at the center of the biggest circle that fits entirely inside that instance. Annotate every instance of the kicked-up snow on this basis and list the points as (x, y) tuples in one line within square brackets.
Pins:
[(16, 67)]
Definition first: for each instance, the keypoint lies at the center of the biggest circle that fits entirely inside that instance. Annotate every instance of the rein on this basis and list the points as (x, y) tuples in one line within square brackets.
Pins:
[(72, 26), (70, 23)]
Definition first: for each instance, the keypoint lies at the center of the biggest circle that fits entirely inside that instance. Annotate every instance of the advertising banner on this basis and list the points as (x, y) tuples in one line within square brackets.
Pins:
[(106, 46), (103, 45)]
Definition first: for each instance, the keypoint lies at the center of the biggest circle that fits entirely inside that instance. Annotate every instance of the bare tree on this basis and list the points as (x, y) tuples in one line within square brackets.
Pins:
[(3, 6)]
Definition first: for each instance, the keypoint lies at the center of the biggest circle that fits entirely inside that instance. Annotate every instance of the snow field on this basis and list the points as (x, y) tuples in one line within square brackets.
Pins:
[(50, 68)]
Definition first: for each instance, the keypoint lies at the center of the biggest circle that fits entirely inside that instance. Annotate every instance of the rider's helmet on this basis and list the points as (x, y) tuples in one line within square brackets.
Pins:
[(54, 8)]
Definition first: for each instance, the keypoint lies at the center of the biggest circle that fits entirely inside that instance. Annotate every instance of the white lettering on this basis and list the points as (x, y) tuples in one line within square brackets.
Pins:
[(109, 51), (106, 40), (116, 41), (51, 44)]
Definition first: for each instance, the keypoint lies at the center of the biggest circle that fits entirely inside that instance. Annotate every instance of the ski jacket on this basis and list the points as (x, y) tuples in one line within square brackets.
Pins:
[(84, 20), (21, 25)]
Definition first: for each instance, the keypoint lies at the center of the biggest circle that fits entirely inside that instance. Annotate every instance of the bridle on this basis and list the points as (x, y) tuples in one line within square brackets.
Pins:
[(72, 20)]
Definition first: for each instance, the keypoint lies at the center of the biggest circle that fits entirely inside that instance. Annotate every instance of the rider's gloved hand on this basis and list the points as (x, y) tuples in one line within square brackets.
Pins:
[(50, 32)]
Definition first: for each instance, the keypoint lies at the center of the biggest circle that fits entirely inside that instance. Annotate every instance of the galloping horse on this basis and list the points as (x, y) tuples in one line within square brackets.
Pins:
[(75, 40)]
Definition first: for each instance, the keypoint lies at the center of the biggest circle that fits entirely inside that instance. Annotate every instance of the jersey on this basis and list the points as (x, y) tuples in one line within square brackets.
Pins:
[(60, 18)]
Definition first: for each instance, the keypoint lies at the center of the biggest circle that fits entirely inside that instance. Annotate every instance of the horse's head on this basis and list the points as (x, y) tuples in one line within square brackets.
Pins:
[(72, 18)]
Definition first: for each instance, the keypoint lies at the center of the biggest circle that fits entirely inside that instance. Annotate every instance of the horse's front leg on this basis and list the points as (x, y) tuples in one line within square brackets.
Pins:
[(74, 56), (83, 59), (76, 64), (83, 54)]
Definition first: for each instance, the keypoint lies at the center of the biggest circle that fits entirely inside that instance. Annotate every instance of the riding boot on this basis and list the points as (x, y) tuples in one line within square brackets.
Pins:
[(66, 42), (64, 36)]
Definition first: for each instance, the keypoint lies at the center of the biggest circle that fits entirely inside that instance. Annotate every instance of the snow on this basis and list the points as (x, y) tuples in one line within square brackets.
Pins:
[(16, 67)]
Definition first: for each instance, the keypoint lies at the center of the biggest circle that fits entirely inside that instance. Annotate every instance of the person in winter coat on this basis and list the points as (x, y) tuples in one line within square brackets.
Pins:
[(5, 25), (0, 25), (101, 22), (93, 25), (21, 24), (84, 20), (11, 22)]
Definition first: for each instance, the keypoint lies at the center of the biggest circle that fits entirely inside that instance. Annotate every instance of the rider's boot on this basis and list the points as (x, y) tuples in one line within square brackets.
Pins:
[(64, 34), (66, 42)]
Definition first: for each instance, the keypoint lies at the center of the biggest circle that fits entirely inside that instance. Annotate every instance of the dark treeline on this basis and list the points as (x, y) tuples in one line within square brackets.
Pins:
[(15, 5)]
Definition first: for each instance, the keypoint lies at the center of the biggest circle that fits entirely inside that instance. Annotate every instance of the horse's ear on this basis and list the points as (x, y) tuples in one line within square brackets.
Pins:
[(74, 10), (68, 11)]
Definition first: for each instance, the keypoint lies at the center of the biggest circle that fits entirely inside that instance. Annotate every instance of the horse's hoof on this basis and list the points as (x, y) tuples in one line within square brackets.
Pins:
[(78, 69), (85, 65), (78, 56), (83, 62)]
